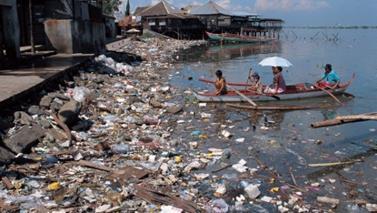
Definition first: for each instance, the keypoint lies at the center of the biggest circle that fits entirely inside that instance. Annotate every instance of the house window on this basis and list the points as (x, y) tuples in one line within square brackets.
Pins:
[(151, 23), (162, 23), (223, 21)]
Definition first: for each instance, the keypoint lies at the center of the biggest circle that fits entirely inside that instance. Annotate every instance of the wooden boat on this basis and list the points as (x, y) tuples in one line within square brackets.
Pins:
[(235, 38), (229, 83), (297, 91)]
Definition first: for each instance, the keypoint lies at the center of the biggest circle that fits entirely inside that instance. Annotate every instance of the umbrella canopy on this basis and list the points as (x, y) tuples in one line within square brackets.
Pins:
[(275, 61), (133, 30)]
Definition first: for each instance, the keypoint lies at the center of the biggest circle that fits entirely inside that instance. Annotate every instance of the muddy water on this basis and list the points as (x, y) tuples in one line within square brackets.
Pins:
[(283, 140)]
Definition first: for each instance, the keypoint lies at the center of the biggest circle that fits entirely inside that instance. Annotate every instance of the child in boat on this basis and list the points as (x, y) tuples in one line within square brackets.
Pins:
[(220, 83), (255, 82), (278, 84), (329, 79)]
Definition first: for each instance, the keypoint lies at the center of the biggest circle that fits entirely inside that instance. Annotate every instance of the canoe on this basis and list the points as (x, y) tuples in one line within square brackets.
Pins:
[(235, 38), (297, 91), (229, 83)]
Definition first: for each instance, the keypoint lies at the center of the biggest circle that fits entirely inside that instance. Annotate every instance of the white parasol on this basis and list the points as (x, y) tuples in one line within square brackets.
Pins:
[(275, 61), (133, 30)]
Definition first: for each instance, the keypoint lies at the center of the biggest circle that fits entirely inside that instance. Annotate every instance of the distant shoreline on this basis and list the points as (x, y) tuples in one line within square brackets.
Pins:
[(331, 27)]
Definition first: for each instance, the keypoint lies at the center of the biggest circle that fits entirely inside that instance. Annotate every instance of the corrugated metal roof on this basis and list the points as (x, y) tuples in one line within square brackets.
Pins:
[(138, 10), (170, 8), (211, 8), (161, 8)]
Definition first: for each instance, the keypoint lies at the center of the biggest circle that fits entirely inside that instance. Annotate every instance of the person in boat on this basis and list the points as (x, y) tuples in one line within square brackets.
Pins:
[(255, 81), (278, 84), (220, 83), (329, 79)]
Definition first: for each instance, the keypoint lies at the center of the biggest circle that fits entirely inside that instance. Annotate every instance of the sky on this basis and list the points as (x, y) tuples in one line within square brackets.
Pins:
[(295, 12)]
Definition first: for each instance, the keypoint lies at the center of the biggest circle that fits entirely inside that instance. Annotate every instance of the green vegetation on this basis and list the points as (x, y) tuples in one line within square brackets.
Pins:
[(110, 6)]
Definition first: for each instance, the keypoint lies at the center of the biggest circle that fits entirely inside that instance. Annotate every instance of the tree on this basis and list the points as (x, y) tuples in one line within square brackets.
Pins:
[(127, 8), (110, 6)]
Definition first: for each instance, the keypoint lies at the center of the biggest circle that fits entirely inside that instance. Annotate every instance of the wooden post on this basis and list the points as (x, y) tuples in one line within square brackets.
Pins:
[(31, 27)]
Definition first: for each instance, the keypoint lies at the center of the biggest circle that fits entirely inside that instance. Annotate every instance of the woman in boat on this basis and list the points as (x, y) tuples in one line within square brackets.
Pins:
[(329, 79), (278, 84), (220, 83)]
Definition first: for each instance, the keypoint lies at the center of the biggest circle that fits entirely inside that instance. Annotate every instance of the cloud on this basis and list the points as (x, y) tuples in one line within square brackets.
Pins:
[(196, 3), (290, 4), (224, 3), (153, 2)]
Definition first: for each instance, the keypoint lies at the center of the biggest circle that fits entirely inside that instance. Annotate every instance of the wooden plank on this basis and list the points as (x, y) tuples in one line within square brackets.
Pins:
[(94, 166), (155, 197), (333, 163), (345, 119)]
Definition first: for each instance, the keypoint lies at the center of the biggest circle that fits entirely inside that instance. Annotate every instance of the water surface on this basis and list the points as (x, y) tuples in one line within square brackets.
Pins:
[(288, 141)]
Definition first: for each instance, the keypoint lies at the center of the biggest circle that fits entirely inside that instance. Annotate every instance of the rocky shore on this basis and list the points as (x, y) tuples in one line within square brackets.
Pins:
[(119, 138), (102, 142)]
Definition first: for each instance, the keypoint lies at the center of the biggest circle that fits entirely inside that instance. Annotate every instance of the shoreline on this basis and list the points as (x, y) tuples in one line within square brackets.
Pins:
[(127, 98)]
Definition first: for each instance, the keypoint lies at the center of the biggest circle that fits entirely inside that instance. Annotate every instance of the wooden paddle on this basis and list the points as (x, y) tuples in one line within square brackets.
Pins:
[(242, 95), (329, 93)]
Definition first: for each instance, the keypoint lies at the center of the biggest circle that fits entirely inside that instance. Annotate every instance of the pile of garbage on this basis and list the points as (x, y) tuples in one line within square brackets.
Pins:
[(118, 67), (156, 51), (101, 143), (108, 143)]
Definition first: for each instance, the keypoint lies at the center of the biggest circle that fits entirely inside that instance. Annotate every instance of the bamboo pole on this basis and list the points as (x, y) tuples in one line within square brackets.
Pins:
[(345, 119), (357, 117), (333, 164)]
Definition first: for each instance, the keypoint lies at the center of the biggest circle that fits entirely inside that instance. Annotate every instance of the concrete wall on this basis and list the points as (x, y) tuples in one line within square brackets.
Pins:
[(76, 36), (89, 36), (11, 31), (98, 37), (59, 33), (110, 28)]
